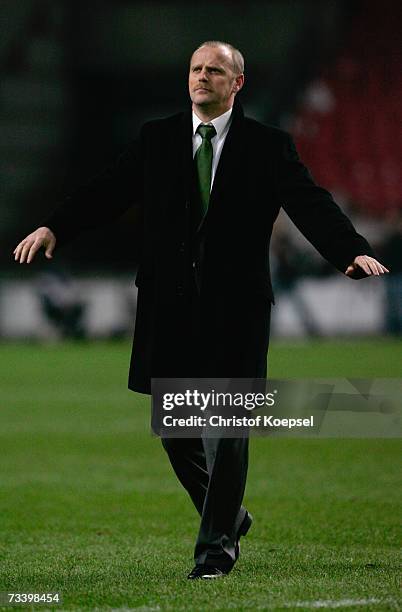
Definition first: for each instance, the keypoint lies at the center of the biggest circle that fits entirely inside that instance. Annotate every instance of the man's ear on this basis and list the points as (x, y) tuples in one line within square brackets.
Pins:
[(238, 84)]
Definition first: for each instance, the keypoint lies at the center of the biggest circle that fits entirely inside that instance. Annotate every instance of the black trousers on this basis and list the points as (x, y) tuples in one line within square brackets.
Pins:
[(212, 470)]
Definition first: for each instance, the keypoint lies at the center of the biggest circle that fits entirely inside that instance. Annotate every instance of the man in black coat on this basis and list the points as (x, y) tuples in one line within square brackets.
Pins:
[(209, 184)]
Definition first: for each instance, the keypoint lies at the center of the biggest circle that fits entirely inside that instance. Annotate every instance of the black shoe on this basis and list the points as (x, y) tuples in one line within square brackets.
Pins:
[(243, 530), (206, 572), (246, 524)]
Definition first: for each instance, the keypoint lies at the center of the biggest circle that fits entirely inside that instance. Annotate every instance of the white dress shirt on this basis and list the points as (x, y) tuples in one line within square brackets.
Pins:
[(221, 125)]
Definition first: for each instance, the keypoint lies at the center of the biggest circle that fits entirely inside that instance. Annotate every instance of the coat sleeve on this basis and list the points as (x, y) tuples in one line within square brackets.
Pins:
[(315, 213), (102, 199)]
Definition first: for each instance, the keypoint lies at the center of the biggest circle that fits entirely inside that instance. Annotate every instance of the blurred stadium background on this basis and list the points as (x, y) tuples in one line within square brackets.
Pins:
[(89, 503), (79, 78)]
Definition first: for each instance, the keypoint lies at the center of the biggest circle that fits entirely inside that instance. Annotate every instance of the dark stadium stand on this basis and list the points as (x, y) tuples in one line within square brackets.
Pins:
[(347, 127)]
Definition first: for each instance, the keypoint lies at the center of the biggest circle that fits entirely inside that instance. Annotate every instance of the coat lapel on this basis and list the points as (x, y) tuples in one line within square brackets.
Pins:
[(229, 160), (186, 148), (229, 166)]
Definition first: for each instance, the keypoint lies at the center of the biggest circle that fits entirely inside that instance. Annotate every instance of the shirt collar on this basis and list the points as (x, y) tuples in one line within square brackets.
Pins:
[(219, 123)]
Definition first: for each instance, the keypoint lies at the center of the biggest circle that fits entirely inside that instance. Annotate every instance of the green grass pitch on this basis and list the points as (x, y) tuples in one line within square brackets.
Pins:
[(90, 507)]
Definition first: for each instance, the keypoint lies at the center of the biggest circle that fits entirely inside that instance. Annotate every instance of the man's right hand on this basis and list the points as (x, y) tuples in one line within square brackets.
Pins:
[(27, 248)]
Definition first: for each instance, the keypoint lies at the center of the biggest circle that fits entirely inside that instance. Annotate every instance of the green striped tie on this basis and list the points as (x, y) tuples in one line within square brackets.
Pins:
[(203, 159)]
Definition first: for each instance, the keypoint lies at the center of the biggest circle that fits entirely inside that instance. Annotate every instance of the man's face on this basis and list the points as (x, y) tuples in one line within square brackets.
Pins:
[(212, 82)]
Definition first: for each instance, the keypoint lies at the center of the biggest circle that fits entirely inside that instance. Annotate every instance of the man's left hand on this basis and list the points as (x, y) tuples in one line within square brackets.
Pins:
[(367, 264)]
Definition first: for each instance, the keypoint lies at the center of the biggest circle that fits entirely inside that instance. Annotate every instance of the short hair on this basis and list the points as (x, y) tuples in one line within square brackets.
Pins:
[(237, 57)]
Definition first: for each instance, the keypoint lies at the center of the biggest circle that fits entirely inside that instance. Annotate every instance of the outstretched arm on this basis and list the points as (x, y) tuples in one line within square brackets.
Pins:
[(315, 213), (99, 202)]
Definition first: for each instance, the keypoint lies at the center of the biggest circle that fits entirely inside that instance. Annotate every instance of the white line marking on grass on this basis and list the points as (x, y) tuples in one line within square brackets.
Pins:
[(335, 603)]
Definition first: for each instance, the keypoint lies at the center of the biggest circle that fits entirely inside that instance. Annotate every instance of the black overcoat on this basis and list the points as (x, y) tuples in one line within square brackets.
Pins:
[(259, 171)]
